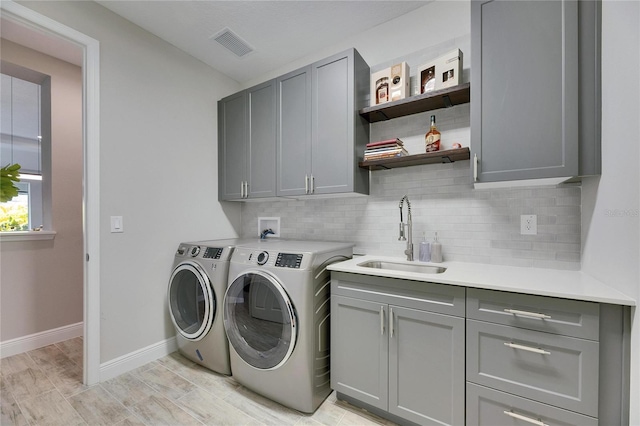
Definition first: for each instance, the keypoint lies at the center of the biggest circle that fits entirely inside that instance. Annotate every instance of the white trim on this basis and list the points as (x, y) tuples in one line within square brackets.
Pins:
[(137, 359), (91, 181), (39, 340), (26, 236)]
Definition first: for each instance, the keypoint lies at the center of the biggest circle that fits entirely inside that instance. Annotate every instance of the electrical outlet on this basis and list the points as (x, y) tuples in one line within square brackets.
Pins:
[(528, 224)]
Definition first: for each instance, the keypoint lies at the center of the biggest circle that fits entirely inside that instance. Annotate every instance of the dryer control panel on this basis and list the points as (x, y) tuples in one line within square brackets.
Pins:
[(272, 258), (289, 260)]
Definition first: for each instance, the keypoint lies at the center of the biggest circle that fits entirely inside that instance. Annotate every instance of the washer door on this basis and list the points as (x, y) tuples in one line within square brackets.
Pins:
[(192, 302), (260, 320)]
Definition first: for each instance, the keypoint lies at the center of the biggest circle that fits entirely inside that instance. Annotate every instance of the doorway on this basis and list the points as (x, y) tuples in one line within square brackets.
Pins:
[(41, 27)]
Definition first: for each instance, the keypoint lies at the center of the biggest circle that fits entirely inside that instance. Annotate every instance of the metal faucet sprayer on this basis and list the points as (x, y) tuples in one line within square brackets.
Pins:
[(409, 250)]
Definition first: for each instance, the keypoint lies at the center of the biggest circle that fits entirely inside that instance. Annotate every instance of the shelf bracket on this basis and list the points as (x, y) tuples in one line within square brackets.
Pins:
[(447, 159), (447, 101), (383, 115)]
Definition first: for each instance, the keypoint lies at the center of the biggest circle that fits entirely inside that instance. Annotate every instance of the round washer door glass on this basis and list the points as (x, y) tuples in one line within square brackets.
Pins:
[(192, 303), (260, 320)]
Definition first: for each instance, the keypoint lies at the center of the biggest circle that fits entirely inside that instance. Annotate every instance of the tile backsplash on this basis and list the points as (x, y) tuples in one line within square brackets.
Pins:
[(472, 225)]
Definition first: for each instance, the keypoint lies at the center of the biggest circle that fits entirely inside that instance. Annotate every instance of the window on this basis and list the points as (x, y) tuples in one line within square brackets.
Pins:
[(21, 142)]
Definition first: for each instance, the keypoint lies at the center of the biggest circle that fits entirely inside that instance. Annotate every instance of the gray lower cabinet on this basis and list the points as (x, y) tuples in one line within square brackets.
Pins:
[(247, 144), (401, 362), (486, 406), (535, 89), (545, 361), (319, 132)]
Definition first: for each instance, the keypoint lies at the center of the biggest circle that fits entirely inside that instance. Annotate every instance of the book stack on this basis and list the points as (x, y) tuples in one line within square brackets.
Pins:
[(385, 149)]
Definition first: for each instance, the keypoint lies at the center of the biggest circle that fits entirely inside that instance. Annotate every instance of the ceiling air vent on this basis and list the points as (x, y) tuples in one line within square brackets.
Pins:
[(232, 42)]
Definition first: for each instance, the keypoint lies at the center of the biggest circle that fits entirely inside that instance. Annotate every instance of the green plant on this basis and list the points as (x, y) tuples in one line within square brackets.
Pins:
[(9, 175)]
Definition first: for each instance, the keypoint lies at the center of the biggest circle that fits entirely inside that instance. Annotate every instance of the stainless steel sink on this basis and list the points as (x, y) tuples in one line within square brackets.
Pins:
[(403, 267)]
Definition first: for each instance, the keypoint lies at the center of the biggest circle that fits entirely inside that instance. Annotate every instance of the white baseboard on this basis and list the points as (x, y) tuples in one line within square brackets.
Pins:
[(133, 360), (38, 340)]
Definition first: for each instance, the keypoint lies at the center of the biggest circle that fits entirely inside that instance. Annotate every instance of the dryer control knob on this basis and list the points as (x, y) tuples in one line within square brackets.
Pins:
[(194, 251), (262, 258)]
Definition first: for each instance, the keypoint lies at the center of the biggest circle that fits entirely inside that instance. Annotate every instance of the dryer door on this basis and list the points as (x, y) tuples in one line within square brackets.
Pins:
[(260, 320), (192, 303)]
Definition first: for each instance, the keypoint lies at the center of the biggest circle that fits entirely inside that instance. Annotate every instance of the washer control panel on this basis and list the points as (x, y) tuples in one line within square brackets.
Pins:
[(212, 253), (271, 258), (289, 260)]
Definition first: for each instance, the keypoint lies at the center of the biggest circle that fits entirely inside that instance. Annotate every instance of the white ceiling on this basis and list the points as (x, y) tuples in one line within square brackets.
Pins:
[(279, 31)]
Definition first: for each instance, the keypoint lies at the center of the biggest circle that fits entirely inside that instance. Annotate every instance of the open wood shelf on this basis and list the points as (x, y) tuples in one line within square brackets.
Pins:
[(447, 156), (442, 98)]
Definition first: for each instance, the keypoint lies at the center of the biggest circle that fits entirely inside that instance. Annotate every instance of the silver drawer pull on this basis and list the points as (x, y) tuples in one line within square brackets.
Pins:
[(527, 348), (381, 320), (391, 321), (527, 314), (525, 418)]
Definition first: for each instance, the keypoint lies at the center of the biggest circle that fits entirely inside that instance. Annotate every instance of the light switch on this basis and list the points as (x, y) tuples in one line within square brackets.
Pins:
[(116, 224)]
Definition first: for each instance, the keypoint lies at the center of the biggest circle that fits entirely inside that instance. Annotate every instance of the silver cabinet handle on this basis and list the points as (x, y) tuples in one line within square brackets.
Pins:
[(391, 321), (525, 418), (246, 189), (475, 167), (381, 320), (313, 183), (306, 184), (527, 314), (242, 189), (527, 348)]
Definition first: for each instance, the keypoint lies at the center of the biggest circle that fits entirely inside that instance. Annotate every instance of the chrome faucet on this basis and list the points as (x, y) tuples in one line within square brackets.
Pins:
[(407, 226)]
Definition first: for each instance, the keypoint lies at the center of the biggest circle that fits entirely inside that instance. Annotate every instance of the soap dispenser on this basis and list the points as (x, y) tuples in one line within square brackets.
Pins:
[(425, 249), (436, 250)]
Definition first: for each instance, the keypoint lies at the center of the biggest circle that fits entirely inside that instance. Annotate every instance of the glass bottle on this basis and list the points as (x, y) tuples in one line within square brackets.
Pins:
[(382, 90), (432, 138)]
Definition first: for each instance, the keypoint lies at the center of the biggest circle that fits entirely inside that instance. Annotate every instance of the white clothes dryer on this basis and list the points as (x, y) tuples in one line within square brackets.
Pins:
[(195, 294), (276, 316)]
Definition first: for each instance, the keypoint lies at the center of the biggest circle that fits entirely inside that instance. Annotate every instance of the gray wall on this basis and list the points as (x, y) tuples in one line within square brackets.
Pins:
[(611, 203), (157, 165)]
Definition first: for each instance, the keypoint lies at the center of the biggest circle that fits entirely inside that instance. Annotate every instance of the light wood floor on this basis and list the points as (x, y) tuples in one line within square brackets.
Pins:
[(44, 387)]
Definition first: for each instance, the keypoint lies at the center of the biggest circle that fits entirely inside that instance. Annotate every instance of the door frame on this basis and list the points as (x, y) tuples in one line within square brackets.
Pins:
[(91, 172)]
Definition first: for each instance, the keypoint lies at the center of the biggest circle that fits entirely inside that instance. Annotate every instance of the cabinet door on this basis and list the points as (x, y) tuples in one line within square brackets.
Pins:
[(293, 162), (426, 366), (359, 350), (333, 115), (232, 146), (261, 102), (524, 114)]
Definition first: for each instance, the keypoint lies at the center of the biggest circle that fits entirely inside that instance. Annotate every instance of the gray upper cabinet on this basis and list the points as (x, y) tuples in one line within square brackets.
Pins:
[(232, 146), (294, 132), (247, 144), (320, 132), (529, 111)]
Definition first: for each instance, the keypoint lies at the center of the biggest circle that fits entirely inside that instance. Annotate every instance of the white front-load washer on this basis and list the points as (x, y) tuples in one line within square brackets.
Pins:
[(195, 294), (276, 316)]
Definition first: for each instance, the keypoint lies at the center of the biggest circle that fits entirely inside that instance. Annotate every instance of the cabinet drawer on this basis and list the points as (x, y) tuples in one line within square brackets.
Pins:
[(438, 298), (557, 370), (558, 316), (488, 407)]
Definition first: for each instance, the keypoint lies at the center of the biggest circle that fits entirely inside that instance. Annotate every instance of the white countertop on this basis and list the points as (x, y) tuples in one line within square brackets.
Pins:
[(543, 282)]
